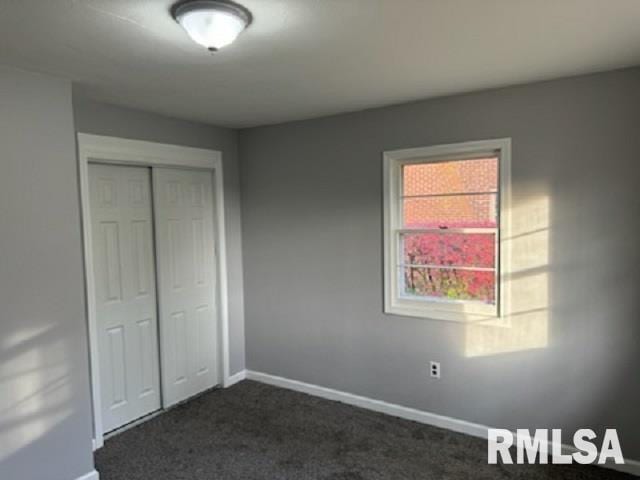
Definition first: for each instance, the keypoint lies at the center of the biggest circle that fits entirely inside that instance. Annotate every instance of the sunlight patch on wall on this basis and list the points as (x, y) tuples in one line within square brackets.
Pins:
[(35, 388), (525, 322)]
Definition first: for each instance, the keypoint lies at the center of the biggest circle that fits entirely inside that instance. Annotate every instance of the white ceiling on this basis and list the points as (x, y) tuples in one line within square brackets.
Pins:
[(308, 58)]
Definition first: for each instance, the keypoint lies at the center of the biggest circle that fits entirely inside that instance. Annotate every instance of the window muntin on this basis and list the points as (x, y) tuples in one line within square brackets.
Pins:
[(443, 231)]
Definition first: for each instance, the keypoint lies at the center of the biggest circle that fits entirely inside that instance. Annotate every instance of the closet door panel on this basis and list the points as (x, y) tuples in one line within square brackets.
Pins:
[(122, 236), (186, 277)]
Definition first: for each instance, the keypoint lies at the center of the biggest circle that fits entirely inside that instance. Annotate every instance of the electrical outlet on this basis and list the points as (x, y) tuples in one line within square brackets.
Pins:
[(434, 369)]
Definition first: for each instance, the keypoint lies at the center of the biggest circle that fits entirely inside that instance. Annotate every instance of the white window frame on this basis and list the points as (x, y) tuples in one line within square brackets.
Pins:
[(393, 162)]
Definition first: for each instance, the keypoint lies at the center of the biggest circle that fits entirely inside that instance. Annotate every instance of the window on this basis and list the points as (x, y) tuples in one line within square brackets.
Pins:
[(444, 220)]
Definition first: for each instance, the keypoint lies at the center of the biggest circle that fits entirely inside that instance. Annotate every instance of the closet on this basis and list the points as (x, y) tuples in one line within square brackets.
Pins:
[(154, 280)]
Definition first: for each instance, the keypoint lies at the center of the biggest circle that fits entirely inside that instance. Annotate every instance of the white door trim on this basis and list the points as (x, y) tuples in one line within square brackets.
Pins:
[(112, 150)]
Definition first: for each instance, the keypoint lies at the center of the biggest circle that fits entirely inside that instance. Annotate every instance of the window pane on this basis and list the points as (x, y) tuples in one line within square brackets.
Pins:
[(449, 284), (457, 176), (450, 249), (457, 211)]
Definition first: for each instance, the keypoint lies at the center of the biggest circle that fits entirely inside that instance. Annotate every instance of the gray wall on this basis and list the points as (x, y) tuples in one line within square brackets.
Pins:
[(312, 223), (45, 416), (102, 119)]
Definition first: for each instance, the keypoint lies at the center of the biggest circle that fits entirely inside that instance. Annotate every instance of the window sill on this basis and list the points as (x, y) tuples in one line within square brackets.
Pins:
[(431, 312)]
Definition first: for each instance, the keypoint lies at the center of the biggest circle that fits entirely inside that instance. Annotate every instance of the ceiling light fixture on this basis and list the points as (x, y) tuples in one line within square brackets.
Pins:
[(212, 23)]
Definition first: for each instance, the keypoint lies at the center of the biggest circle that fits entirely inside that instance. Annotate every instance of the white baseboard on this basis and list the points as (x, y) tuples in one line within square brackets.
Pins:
[(407, 413), (93, 475), (441, 421), (235, 378)]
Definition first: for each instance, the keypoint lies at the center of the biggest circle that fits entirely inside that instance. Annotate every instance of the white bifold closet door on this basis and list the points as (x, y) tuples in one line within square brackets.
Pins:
[(183, 210), (125, 296)]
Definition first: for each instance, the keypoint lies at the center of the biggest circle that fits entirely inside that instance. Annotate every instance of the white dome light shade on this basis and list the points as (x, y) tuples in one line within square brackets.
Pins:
[(211, 23)]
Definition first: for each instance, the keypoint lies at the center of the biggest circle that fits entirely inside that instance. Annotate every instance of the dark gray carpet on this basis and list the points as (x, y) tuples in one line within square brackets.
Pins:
[(255, 431)]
